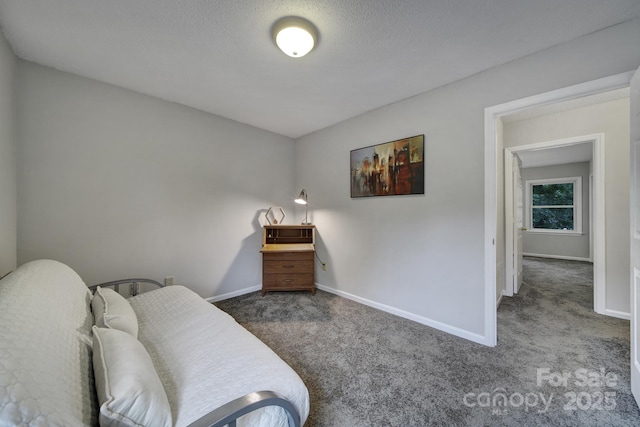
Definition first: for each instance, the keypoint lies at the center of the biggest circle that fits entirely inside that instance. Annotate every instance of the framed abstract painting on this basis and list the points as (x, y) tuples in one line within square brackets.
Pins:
[(389, 169)]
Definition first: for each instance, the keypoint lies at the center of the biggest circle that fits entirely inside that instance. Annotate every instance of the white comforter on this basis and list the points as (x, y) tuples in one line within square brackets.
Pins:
[(45, 348), (205, 358)]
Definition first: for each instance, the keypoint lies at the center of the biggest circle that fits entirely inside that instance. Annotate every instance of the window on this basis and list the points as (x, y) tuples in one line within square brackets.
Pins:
[(555, 205)]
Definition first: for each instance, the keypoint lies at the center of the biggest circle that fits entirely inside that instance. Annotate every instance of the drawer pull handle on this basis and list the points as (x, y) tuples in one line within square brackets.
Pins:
[(287, 280), (288, 266)]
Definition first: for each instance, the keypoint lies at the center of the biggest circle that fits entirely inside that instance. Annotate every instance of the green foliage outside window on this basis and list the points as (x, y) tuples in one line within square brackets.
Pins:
[(553, 218), (552, 206), (553, 194)]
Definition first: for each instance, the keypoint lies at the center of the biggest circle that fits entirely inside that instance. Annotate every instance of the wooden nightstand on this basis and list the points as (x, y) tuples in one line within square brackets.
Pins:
[(288, 258)]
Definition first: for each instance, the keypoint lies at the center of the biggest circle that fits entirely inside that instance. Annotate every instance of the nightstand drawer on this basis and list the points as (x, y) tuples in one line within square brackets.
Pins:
[(285, 281), (288, 256), (288, 266)]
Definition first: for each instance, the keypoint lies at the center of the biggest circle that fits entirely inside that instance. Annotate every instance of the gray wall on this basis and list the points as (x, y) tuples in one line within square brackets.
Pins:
[(8, 218), (570, 246), (612, 119), (118, 184), (424, 255)]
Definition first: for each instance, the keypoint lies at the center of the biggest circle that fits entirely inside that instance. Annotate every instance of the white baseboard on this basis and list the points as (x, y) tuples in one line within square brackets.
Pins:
[(402, 313), (233, 294), (568, 258), (618, 314), (405, 314)]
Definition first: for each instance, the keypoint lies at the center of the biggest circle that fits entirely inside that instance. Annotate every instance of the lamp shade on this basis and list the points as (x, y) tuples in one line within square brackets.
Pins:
[(295, 36), (302, 198)]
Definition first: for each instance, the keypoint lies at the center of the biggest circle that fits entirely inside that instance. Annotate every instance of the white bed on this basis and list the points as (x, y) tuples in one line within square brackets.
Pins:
[(198, 359), (211, 368)]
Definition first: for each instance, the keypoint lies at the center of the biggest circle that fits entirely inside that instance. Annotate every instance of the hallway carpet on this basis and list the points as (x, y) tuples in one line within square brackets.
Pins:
[(557, 363)]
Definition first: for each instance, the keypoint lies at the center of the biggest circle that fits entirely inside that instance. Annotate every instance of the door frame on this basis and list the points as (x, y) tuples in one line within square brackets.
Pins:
[(634, 233), (596, 219), (509, 288), (510, 209), (491, 145)]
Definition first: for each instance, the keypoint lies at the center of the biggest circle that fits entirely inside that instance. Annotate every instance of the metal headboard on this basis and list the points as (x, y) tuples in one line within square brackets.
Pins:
[(135, 284)]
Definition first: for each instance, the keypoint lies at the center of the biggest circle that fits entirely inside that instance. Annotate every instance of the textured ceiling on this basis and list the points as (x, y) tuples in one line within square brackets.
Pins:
[(557, 155), (218, 56)]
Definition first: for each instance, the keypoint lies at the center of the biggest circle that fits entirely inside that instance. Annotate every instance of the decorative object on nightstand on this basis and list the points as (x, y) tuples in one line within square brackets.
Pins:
[(270, 216), (288, 253), (302, 200)]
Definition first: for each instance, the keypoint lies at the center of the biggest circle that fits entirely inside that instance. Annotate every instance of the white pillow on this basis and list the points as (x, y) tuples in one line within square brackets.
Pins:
[(129, 390), (112, 310)]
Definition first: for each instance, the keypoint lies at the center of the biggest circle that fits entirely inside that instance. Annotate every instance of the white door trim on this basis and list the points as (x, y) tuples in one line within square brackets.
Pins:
[(597, 220), (491, 178), (634, 233), (508, 233), (509, 211)]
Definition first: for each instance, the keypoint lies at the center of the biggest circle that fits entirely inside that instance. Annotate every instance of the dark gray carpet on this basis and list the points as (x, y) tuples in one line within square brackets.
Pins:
[(364, 367)]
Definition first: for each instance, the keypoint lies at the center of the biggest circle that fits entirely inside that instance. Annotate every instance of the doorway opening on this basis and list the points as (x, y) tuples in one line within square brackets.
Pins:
[(494, 185), (553, 155)]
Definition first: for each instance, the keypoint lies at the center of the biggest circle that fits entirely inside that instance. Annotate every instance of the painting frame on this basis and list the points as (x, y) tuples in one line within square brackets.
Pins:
[(394, 168)]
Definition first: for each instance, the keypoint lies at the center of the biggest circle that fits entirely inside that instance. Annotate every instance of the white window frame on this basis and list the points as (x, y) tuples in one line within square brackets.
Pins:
[(577, 204)]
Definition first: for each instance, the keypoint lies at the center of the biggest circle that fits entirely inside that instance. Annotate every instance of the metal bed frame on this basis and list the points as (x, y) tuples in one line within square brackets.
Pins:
[(135, 285), (227, 414)]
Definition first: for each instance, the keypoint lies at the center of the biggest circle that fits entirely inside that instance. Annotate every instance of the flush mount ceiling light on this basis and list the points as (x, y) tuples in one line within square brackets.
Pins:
[(295, 36)]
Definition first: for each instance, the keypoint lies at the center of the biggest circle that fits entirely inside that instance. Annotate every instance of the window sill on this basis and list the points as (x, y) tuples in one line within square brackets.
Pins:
[(556, 232)]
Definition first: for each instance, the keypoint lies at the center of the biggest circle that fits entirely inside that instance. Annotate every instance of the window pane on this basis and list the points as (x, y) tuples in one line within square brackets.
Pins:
[(552, 194), (553, 218)]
